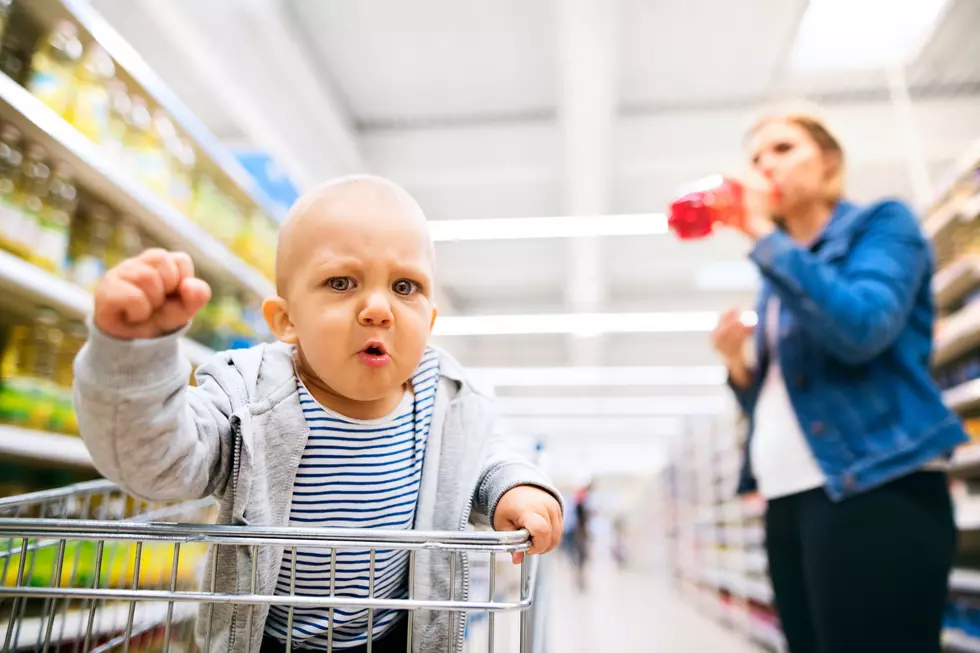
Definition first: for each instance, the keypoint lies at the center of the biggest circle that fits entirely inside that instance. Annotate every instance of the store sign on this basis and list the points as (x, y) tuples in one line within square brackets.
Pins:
[(270, 178)]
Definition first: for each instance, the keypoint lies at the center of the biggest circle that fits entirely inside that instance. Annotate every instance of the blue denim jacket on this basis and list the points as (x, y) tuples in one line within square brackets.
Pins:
[(855, 342)]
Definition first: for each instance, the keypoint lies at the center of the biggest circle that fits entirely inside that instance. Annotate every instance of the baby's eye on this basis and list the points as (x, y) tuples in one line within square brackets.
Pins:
[(340, 284), (405, 287)]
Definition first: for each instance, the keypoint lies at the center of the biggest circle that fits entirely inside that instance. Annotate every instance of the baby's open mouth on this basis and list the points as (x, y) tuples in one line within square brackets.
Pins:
[(375, 351)]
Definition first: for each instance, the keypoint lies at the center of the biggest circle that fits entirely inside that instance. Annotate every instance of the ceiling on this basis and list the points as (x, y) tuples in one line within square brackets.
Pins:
[(518, 108)]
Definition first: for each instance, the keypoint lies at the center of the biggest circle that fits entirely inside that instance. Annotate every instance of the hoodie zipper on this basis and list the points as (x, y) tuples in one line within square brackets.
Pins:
[(465, 559), (236, 428)]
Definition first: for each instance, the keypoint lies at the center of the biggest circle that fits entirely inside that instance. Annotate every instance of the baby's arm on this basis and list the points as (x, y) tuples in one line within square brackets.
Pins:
[(515, 494), (145, 428)]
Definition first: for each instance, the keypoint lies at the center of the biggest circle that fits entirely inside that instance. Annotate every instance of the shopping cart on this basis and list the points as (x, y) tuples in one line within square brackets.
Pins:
[(90, 569)]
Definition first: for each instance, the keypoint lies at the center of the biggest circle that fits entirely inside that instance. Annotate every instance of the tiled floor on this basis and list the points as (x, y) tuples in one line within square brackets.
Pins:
[(626, 612)]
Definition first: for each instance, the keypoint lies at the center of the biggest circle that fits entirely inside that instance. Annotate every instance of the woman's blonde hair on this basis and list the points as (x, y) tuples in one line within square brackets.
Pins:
[(807, 119)]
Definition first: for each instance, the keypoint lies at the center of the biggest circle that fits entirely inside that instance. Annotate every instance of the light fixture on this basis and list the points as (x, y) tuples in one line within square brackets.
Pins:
[(862, 34), (654, 375), (578, 323), (630, 224)]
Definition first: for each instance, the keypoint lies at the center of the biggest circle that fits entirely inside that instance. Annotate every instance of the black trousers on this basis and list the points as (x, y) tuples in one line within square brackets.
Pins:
[(866, 574), (394, 641)]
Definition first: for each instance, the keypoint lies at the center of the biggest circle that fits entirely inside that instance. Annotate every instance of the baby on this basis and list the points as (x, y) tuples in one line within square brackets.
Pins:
[(349, 420)]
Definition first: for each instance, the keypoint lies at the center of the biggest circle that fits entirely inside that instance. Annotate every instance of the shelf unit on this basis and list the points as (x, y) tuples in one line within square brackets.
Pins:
[(959, 335), (53, 448), (133, 69), (718, 560), (96, 172), (30, 283), (24, 284)]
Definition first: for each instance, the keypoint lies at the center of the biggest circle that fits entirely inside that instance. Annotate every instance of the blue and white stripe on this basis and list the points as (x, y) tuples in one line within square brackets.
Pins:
[(355, 474)]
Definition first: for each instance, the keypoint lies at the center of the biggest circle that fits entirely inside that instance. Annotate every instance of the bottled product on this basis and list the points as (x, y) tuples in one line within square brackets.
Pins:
[(704, 204), (120, 112), (34, 182), (51, 250), (154, 161), (48, 338), (63, 418), (182, 162), (92, 100), (5, 7), (11, 215), (139, 137), (91, 240), (126, 242), (14, 374), (53, 67)]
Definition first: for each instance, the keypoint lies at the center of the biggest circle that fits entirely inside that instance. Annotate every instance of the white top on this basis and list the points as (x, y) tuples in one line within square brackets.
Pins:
[(355, 474), (782, 461)]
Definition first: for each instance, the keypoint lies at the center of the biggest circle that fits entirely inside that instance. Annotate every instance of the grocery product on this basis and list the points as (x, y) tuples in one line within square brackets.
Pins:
[(153, 158), (182, 162), (62, 418), (53, 67), (5, 7), (51, 248), (35, 179), (12, 236), (15, 370), (139, 135), (91, 240), (91, 102), (48, 338), (119, 118), (126, 242)]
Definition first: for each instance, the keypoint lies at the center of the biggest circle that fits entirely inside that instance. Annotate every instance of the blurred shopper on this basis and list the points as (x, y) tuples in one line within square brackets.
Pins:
[(579, 542), (848, 435)]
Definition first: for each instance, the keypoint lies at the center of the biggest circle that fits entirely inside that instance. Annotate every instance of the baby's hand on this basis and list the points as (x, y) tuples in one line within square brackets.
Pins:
[(149, 295), (532, 508)]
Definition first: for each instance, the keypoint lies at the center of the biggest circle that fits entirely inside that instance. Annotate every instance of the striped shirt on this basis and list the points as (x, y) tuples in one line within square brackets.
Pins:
[(355, 474)]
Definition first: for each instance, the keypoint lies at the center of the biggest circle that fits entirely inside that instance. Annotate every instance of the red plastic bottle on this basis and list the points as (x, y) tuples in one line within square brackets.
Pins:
[(705, 203)]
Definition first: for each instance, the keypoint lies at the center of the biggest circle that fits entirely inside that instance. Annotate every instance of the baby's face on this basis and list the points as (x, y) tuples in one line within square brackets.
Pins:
[(359, 298)]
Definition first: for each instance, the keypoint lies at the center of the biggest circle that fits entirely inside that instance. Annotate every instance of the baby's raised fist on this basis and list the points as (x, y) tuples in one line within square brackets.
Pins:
[(149, 295)]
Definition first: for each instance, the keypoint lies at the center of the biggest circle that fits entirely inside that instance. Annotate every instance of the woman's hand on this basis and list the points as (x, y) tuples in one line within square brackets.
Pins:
[(759, 199), (728, 339)]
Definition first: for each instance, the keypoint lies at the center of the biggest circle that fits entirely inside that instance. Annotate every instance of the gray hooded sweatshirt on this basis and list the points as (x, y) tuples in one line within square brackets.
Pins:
[(239, 436)]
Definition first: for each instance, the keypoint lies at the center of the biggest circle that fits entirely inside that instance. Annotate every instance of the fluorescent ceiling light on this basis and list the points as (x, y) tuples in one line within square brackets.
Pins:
[(577, 323), (693, 375), (610, 406), (636, 224), (863, 34)]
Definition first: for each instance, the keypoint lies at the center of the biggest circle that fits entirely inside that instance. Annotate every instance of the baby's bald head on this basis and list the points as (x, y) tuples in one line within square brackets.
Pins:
[(348, 202)]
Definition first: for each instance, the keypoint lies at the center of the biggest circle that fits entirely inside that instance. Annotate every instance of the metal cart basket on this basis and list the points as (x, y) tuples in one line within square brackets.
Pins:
[(88, 568)]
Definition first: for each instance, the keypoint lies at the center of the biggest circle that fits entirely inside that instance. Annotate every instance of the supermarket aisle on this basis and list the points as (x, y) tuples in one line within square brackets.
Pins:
[(625, 611)]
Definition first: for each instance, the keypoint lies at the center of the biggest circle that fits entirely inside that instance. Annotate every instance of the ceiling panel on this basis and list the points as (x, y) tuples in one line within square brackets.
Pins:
[(702, 51), (428, 59)]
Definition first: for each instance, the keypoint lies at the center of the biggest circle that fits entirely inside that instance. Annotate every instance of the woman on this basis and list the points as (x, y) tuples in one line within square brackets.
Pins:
[(848, 433)]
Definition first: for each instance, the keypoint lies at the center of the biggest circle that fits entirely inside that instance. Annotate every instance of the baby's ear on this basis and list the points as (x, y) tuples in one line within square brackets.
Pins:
[(276, 315)]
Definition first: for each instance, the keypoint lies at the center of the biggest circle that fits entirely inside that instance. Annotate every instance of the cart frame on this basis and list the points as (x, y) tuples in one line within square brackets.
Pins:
[(43, 521)]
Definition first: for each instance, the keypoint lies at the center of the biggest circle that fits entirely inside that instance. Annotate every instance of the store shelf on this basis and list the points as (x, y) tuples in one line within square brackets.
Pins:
[(132, 68), (963, 397), (51, 448), (956, 209), (959, 641), (965, 581), (22, 280), (955, 280), (97, 173), (110, 620), (959, 335)]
